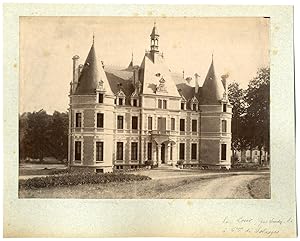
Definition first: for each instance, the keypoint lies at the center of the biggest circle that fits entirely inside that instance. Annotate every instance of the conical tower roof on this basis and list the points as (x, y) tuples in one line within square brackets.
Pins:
[(91, 74), (212, 89)]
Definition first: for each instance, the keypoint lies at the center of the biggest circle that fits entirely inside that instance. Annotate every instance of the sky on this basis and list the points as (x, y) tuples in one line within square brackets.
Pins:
[(47, 44)]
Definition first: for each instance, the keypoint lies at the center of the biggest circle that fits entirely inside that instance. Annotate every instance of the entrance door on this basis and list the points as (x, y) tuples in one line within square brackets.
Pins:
[(163, 148)]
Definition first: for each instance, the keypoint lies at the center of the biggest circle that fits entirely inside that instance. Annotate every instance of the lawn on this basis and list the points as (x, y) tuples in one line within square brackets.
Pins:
[(260, 188)]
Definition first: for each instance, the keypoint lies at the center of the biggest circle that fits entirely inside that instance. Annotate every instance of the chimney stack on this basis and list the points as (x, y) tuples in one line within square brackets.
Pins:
[(196, 83), (224, 82), (75, 72), (135, 75)]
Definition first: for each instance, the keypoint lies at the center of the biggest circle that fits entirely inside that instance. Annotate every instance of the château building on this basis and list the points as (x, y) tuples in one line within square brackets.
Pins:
[(121, 119)]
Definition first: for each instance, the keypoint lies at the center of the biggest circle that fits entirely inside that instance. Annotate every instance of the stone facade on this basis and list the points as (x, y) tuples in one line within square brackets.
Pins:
[(121, 119)]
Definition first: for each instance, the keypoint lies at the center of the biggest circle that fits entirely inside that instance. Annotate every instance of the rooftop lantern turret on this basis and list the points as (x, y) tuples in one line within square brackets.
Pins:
[(154, 36)]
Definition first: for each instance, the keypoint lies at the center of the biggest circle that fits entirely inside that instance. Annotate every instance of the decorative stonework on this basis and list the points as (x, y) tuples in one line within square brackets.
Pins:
[(162, 86), (100, 86)]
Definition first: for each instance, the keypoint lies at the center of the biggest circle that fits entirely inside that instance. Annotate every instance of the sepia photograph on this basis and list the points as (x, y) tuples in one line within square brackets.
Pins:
[(148, 121), (144, 108)]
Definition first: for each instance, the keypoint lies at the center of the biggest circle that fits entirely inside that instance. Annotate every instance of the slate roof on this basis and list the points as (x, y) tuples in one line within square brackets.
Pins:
[(91, 74), (212, 89)]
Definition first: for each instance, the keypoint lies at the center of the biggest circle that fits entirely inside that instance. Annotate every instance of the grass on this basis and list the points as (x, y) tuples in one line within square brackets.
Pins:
[(139, 190), (45, 171), (260, 188)]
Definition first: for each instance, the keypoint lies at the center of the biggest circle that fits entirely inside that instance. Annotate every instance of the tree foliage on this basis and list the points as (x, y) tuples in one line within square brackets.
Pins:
[(251, 112), (43, 135)]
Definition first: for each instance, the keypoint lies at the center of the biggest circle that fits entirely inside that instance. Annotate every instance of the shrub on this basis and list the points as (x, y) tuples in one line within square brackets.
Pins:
[(149, 163), (78, 179), (180, 162)]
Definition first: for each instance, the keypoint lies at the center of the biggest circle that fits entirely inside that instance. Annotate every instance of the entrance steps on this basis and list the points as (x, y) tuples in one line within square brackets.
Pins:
[(166, 167)]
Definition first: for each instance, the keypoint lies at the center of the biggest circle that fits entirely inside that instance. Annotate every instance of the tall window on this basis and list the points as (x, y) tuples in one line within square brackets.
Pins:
[(100, 98), (149, 151), (120, 120), (181, 151), (224, 126), (78, 120), (119, 150), (121, 101), (159, 104), (99, 151), (149, 123), (194, 151), (77, 150), (171, 152), (194, 125), (134, 123), (164, 104), (224, 108), (223, 151), (134, 150), (172, 124), (182, 125), (100, 120), (161, 123)]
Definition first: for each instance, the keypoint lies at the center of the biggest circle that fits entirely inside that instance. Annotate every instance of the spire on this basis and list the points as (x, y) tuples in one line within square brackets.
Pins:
[(92, 73), (212, 88)]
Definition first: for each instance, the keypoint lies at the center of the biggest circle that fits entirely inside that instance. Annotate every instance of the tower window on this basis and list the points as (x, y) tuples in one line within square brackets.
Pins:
[(172, 124), (194, 151), (120, 121), (182, 125), (149, 123), (99, 151), (224, 126), (134, 150), (78, 120), (194, 125), (181, 151), (100, 98), (134, 102), (224, 108), (120, 101), (100, 120), (134, 123), (223, 151), (182, 106), (77, 150), (119, 150)]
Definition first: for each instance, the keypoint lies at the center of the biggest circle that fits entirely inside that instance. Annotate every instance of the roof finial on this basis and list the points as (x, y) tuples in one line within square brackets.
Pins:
[(93, 38), (154, 23), (212, 56)]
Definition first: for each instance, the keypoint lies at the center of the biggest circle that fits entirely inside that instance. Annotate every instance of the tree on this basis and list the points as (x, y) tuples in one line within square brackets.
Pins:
[(258, 109), (236, 96), (58, 136), (36, 134)]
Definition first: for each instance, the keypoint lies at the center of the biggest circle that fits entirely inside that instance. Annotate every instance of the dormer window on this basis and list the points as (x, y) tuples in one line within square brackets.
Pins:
[(224, 108), (100, 98), (120, 98), (194, 104)]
